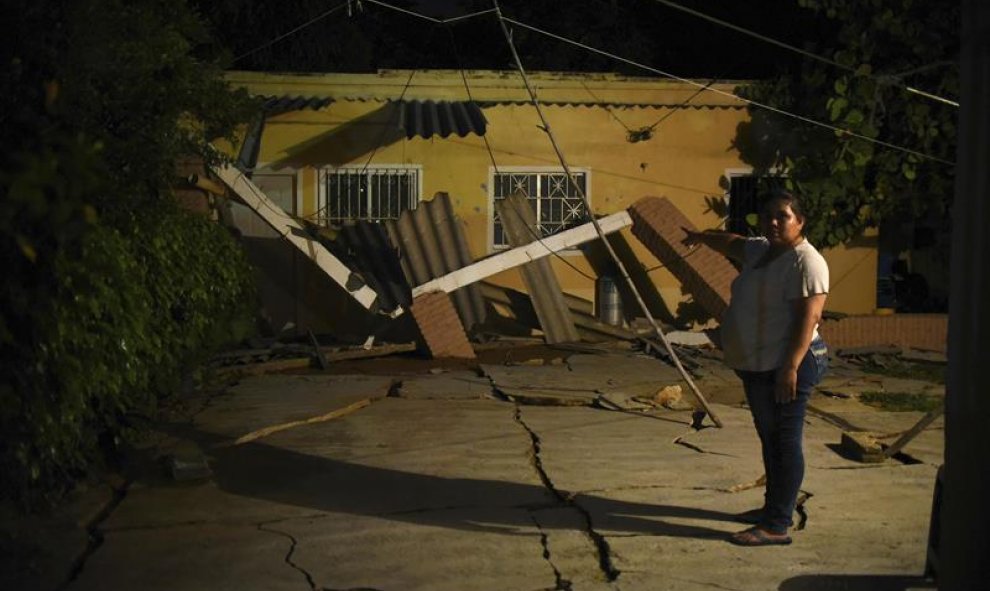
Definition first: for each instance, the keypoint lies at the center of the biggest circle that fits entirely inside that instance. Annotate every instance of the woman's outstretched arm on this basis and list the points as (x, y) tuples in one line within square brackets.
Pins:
[(730, 244)]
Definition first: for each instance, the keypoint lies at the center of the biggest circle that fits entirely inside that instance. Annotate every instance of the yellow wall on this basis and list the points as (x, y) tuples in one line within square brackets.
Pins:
[(686, 158)]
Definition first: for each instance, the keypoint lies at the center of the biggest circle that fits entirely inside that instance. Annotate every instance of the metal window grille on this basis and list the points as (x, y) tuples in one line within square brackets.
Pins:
[(373, 194), (555, 198), (745, 192)]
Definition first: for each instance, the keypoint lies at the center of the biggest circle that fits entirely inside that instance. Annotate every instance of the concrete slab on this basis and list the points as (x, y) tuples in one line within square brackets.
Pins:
[(203, 556), (455, 385), (442, 550), (583, 379), (442, 490), (263, 401)]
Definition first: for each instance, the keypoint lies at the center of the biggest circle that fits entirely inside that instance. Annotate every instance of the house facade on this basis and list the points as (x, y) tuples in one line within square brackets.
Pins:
[(339, 147)]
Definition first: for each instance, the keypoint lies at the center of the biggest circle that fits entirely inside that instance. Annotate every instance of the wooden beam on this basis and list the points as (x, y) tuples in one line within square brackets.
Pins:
[(523, 254), (291, 230)]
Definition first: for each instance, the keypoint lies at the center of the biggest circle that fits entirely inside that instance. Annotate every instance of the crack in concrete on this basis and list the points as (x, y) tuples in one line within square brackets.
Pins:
[(95, 535), (560, 583), (681, 441), (288, 555), (431, 510), (220, 522), (601, 544)]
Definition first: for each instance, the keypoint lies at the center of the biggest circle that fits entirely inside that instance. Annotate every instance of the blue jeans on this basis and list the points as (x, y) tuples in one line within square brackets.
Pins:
[(781, 427)]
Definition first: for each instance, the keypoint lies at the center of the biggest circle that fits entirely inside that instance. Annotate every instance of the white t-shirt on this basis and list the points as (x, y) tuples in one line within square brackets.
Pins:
[(756, 327)]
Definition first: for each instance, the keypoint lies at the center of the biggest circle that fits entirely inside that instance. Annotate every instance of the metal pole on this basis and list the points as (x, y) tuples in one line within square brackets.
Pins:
[(598, 229)]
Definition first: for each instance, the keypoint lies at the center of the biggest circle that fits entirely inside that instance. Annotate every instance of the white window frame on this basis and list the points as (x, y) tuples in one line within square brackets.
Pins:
[(264, 168), (731, 173), (321, 185), (492, 247)]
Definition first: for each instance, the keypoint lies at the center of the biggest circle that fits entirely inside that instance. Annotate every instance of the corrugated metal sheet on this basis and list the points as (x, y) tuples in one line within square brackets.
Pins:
[(365, 247), (275, 105), (614, 105), (431, 243), (428, 118), (577, 102), (519, 222)]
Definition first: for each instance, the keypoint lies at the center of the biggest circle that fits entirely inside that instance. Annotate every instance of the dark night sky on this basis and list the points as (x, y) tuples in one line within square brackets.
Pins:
[(688, 45)]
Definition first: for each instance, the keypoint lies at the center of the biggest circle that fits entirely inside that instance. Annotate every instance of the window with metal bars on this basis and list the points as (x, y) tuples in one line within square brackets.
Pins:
[(746, 192), (373, 194), (556, 200)]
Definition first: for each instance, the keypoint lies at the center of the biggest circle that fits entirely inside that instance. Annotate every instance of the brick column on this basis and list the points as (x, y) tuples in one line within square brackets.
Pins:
[(440, 327), (705, 274)]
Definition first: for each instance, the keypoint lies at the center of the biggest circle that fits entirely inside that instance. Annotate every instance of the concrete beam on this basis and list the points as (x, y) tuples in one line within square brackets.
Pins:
[(291, 230), (523, 254)]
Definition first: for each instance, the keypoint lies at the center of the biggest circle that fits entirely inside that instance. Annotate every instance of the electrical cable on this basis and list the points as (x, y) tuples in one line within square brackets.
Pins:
[(598, 229), (839, 130), (381, 139), (439, 21), (891, 80), (491, 155), (290, 33)]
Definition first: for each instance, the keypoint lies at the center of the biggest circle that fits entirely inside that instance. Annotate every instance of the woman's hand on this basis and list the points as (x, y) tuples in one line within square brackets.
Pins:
[(691, 237), (785, 389)]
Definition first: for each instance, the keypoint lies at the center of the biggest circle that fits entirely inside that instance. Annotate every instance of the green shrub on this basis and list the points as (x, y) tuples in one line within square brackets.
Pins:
[(130, 313), (901, 401), (111, 293)]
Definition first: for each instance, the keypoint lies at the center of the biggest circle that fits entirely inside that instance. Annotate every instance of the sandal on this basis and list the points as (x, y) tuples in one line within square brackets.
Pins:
[(756, 536)]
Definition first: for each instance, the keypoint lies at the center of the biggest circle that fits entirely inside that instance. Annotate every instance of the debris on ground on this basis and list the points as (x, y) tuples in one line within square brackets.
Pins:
[(291, 356)]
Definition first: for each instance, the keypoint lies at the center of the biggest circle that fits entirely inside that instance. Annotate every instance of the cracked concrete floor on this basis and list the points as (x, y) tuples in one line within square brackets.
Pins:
[(439, 483)]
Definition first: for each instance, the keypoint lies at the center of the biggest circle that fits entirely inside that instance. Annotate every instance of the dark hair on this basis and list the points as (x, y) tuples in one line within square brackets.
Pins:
[(783, 195)]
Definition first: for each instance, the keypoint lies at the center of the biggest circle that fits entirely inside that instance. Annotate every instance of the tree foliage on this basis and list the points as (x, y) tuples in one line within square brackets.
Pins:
[(110, 291), (850, 183)]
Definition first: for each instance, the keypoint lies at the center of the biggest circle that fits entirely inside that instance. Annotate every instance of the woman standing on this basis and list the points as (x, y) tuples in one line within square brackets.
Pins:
[(770, 338)]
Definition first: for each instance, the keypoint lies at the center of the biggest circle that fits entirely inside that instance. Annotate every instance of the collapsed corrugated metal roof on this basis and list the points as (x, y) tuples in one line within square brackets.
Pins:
[(432, 243), (519, 221), (364, 247), (428, 118)]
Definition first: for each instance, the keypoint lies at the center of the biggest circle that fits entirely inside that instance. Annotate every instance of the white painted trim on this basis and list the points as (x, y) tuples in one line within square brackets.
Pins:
[(291, 230), (263, 168), (738, 172), (508, 259)]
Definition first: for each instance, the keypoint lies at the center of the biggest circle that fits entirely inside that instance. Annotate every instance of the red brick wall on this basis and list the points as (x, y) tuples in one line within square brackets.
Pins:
[(918, 331), (704, 273), (440, 327)]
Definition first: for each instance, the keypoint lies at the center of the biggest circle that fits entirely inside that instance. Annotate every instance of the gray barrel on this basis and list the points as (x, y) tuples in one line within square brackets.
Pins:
[(607, 300)]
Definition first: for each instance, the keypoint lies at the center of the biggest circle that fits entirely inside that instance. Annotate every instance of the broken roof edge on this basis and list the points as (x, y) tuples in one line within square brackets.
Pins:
[(492, 87)]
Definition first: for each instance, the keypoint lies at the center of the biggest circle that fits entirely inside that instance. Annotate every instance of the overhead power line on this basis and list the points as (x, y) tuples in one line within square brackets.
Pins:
[(601, 234), (292, 32), (808, 120), (883, 79), (439, 21), (777, 110)]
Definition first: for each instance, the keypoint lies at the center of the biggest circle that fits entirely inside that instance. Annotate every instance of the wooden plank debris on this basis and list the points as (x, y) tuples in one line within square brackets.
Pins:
[(329, 354), (258, 434), (589, 328), (865, 446)]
